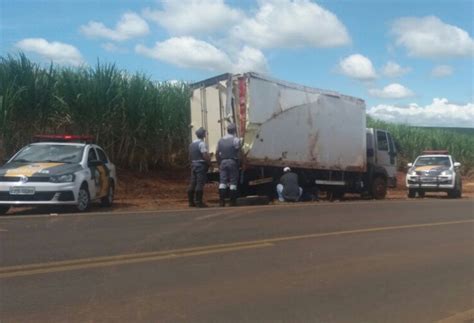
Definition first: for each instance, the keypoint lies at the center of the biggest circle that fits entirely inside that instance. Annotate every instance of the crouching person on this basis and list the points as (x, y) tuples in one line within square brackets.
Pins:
[(200, 160), (288, 189), (227, 153)]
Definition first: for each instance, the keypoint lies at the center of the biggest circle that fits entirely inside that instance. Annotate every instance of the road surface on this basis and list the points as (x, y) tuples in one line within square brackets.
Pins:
[(367, 261)]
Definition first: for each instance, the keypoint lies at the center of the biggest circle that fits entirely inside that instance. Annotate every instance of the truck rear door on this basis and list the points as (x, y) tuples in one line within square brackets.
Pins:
[(210, 107)]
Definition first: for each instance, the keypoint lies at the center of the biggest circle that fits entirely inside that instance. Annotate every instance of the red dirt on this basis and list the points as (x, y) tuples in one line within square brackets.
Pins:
[(168, 190)]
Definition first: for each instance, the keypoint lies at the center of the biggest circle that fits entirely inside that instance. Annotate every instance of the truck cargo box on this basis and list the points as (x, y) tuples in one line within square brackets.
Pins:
[(283, 124)]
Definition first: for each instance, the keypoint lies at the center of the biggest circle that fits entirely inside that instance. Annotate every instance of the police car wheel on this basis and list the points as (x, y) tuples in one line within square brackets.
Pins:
[(109, 198), (4, 209), (83, 199)]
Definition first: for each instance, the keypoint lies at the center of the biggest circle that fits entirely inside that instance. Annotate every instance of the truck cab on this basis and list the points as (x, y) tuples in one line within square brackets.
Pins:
[(382, 155)]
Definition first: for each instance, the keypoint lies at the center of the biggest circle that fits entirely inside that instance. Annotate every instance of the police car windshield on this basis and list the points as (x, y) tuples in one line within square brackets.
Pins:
[(436, 160), (50, 154)]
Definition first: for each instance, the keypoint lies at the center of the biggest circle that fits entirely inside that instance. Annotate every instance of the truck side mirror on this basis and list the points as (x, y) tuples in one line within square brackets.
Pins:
[(409, 165), (457, 165)]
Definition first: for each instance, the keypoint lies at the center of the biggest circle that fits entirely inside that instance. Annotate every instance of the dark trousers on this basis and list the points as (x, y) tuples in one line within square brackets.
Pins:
[(229, 173), (198, 176)]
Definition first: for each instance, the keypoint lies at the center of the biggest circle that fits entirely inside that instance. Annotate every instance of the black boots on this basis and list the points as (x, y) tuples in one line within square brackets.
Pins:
[(222, 193), (233, 198), (191, 199), (199, 202)]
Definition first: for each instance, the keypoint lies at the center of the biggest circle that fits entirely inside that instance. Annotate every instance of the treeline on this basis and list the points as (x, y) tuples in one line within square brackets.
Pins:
[(142, 124), (411, 141)]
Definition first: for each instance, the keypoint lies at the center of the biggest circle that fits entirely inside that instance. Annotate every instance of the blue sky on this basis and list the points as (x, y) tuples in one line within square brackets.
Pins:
[(411, 61)]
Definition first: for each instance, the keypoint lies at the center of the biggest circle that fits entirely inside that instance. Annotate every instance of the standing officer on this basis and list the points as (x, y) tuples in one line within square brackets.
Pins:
[(227, 154), (200, 160)]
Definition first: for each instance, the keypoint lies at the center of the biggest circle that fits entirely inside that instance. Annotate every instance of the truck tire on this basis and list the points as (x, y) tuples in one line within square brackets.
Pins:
[(4, 209), (379, 188), (421, 194), (336, 195), (411, 194), (253, 200)]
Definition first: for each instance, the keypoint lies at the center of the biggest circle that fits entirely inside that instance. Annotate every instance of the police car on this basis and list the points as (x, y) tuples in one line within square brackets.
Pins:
[(434, 171), (58, 170)]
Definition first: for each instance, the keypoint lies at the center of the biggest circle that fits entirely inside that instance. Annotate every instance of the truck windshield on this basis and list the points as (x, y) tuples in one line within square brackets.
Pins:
[(54, 153), (436, 160)]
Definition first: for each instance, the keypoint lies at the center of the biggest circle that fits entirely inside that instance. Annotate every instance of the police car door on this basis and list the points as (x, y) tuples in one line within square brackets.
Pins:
[(97, 171), (107, 172)]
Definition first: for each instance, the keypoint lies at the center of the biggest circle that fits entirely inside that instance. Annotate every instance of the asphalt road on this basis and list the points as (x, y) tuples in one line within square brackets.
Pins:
[(392, 261)]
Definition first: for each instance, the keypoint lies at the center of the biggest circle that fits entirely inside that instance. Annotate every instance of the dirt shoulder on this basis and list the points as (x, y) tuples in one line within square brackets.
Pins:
[(168, 190)]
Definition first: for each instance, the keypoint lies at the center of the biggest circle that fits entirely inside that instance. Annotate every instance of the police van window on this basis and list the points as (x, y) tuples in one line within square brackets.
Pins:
[(382, 142), (102, 155), (92, 155)]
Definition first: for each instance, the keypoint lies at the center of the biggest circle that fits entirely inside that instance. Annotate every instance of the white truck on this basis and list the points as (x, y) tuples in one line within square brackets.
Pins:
[(320, 134)]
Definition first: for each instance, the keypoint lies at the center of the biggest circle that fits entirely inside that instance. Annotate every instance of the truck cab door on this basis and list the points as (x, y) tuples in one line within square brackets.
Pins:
[(386, 155)]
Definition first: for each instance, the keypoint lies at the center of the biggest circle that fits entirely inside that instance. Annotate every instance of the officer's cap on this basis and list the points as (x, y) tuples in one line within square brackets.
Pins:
[(201, 132)]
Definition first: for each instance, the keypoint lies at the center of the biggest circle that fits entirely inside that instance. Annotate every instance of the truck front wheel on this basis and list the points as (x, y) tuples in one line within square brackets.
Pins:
[(379, 188)]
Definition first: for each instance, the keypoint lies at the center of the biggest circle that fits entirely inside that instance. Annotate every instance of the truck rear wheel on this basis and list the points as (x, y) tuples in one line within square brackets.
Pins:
[(379, 188), (4, 209)]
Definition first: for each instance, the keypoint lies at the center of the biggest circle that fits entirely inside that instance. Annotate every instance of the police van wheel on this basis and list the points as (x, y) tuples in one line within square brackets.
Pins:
[(4, 209), (109, 198), (83, 199)]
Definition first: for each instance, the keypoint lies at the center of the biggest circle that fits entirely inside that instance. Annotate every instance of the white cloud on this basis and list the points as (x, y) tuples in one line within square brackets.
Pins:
[(59, 53), (191, 17), (113, 48), (290, 24), (187, 52), (429, 37), (440, 113), (392, 91), (358, 67), (250, 59), (442, 71), (129, 26), (392, 69)]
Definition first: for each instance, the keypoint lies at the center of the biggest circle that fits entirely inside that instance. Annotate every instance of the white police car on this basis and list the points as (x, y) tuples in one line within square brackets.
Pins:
[(434, 171), (58, 170)]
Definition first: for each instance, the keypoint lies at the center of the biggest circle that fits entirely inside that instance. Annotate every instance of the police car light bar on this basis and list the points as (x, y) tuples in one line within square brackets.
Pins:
[(64, 138), (435, 152)]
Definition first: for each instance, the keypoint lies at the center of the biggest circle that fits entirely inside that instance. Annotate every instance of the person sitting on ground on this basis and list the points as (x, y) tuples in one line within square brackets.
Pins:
[(288, 189)]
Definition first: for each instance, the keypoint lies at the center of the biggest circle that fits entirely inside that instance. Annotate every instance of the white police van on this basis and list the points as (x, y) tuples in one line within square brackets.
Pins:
[(434, 171), (58, 170)]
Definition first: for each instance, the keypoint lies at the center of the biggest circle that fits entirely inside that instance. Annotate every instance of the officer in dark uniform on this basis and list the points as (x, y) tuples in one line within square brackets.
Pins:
[(200, 160), (227, 154)]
